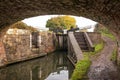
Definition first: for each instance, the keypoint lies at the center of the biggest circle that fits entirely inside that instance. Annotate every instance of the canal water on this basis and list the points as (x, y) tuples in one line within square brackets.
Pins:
[(54, 66)]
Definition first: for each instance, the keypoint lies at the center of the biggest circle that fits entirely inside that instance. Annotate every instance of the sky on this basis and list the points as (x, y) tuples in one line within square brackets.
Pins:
[(40, 21)]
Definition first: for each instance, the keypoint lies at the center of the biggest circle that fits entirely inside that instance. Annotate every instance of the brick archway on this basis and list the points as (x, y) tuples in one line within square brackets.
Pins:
[(104, 11)]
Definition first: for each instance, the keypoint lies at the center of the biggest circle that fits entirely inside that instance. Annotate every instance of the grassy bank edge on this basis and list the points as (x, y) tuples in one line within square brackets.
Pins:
[(114, 55), (82, 66)]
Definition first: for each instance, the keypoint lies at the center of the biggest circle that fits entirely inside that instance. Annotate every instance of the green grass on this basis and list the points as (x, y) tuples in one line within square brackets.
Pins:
[(82, 66), (98, 48), (81, 69), (110, 36), (114, 55), (105, 32)]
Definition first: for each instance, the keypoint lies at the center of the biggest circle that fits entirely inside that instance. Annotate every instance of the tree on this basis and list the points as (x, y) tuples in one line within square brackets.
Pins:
[(61, 22), (22, 25)]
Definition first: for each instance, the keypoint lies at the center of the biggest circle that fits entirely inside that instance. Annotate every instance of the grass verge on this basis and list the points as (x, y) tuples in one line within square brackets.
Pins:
[(105, 32), (98, 48), (114, 55), (82, 66), (81, 69)]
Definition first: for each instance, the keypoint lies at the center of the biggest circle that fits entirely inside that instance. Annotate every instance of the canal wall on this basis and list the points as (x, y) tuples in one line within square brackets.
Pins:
[(47, 42), (18, 47), (3, 58)]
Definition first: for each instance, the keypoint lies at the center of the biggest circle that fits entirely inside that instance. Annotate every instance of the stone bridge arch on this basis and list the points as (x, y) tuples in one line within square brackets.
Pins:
[(103, 11)]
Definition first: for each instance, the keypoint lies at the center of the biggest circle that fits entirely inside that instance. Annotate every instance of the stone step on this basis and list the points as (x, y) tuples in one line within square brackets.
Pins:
[(82, 45), (84, 48), (81, 41), (79, 37)]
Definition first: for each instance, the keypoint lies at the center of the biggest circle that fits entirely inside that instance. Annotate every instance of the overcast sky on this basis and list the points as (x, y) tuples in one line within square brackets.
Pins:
[(40, 21)]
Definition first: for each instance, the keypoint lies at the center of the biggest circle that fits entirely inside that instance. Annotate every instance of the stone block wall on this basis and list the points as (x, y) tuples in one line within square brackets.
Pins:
[(46, 42), (3, 58), (17, 46), (95, 37)]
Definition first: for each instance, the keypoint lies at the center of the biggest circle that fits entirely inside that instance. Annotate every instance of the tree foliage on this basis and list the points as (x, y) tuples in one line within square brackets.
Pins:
[(62, 22), (22, 25)]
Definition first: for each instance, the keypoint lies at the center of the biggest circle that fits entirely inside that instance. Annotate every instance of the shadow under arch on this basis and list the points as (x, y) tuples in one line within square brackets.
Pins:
[(104, 12)]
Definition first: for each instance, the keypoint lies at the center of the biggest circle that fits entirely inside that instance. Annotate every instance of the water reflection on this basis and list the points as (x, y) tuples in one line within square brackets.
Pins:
[(52, 67), (62, 75)]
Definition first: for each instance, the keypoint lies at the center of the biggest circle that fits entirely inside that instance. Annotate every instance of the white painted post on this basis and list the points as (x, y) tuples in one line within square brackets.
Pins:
[(30, 41), (39, 40)]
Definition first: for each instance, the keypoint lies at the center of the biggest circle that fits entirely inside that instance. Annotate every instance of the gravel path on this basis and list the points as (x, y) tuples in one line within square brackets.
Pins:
[(102, 67)]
